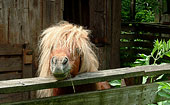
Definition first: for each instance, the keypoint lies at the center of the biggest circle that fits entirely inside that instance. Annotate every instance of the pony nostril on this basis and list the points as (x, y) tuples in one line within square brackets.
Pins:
[(65, 61)]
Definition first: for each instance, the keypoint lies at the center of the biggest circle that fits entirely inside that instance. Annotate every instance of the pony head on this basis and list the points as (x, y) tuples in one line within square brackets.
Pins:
[(66, 49)]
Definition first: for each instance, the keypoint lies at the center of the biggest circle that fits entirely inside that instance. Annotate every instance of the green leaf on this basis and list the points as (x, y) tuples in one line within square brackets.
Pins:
[(115, 83), (164, 47), (144, 79), (143, 56), (140, 61), (164, 103), (167, 53), (160, 77), (154, 50), (147, 60), (164, 94), (167, 91), (167, 85)]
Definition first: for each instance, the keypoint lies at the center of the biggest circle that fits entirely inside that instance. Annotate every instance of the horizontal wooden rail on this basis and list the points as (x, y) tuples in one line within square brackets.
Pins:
[(146, 27), (20, 85), (131, 95)]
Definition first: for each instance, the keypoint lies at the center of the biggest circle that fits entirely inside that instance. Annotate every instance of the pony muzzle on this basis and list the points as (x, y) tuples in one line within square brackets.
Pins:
[(60, 67), (60, 74)]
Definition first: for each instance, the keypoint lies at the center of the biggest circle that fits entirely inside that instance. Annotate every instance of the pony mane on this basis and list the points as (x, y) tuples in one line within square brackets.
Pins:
[(72, 37)]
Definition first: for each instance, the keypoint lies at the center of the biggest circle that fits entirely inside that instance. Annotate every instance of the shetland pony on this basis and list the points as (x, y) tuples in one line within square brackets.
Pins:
[(65, 51)]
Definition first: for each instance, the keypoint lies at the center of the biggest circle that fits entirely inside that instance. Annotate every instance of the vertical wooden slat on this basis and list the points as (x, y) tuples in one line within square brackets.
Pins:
[(13, 29), (97, 25), (52, 12), (6, 4), (27, 64), (2, 35), (105, 23), (1, 15), (116, 28), (108, 32)]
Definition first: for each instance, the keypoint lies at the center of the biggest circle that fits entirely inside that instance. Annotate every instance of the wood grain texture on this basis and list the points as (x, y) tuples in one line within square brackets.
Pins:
[(22, 21), (21, 85), (10, 75), (132, 95), (7, 49), (105, 23), (10, 64), (10, 97)]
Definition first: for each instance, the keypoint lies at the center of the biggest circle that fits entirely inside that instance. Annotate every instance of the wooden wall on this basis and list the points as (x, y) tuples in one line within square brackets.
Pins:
[(21, 21)]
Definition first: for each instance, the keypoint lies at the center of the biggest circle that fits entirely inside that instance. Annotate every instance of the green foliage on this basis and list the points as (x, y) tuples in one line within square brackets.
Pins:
[(125, 10), (144, 61), (145, 10), (162, 103), (164, 89), (115, 83), (145, 16), (161, 49)]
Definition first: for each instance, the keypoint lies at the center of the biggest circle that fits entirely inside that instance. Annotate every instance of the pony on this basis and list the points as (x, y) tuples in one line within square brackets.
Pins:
[(66, 51)]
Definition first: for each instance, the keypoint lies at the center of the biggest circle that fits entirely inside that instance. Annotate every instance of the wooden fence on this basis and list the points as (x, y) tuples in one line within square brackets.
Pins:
[(131, 95), (138, 38)]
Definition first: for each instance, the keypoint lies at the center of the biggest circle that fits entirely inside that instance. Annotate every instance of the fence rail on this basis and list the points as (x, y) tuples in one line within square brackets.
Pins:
[(139, 94), (138, 38)]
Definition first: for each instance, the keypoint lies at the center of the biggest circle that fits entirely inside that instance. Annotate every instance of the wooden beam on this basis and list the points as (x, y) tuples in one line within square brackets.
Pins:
[(115, 34), (133, 95), (20, 85)]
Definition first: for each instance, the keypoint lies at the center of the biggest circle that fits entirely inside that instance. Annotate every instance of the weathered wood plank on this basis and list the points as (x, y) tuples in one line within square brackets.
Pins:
[(10, 64), (6, 49), (10, 97), (85, 78), (10, 75), (27, 64), (96, 14), (133, 95), (2, 36), (105, 23), (14, 26), (115, 33)]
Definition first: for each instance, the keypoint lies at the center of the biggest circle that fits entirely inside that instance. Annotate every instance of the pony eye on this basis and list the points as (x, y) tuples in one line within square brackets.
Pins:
[(65, 61), (53, 60)]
